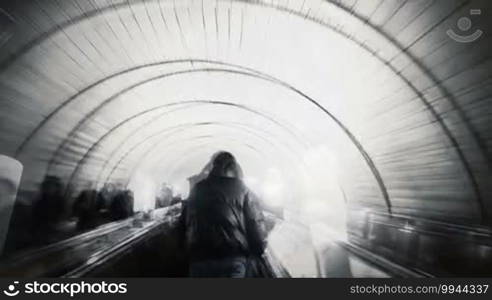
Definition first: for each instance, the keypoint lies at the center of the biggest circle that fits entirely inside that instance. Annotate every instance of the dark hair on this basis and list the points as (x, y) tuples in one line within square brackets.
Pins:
[(223, 163)]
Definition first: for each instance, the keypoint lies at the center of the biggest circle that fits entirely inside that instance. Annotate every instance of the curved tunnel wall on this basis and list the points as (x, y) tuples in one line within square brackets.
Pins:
[(82, 82)]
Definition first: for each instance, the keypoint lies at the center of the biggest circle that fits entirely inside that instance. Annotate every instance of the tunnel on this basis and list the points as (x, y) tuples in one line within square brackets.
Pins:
[(362, 125)]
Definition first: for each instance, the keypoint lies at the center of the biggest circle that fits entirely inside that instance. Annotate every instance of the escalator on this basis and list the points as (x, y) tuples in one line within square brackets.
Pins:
[(109, 248), (147, 246), (141, 246)]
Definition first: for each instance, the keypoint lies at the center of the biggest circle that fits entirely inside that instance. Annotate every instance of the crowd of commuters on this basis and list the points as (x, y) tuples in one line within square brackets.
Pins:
[(53, 215), (93, 208)]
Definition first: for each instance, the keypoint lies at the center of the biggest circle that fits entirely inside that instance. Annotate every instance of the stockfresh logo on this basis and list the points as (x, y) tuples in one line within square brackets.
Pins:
[(67, 288), (12, 290)]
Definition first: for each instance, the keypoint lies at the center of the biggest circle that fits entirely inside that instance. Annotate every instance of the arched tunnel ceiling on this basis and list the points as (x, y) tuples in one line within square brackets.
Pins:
[(92, 91)]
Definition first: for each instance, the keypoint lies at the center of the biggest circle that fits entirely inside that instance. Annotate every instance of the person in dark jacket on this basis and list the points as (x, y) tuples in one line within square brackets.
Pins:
[(86, 209), (48, 209), (121, 206), (223, 223)]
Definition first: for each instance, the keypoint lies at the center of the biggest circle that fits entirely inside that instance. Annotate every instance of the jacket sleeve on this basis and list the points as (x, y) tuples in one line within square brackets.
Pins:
[(255, 224)]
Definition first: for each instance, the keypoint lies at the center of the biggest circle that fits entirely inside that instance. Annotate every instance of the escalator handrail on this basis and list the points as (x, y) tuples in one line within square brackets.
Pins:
[(383, 263), (466, 229), (99, 258), (32, 254)]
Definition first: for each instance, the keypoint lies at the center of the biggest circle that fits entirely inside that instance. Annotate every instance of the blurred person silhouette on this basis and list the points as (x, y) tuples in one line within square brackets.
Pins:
[(48, 209), (164, 196), (222, 222), (121, 206), (86, 209), (104, 198)]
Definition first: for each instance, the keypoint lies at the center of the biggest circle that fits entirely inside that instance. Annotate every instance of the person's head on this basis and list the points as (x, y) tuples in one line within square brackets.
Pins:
[(225, 164), (51, 186)]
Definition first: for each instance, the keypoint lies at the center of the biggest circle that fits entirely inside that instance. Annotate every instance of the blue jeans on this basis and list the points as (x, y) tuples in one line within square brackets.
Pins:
[(233, 267)]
